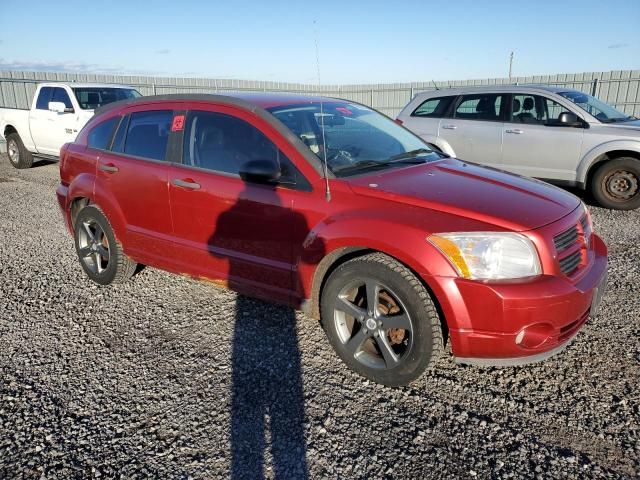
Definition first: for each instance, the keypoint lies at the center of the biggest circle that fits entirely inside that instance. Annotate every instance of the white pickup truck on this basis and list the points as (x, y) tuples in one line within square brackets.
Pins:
[(58, 112)]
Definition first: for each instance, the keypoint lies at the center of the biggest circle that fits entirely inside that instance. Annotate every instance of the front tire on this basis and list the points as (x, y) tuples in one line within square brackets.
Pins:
[(18, 155), (101, 257), (616, 184), (381, 320)]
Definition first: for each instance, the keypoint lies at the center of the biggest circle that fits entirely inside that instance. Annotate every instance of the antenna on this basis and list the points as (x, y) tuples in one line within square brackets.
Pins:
[(435, 84), (510, 64), (327, 191)]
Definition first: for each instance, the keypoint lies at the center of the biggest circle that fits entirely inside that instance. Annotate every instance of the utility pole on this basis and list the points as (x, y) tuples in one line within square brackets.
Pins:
[(510, 64)]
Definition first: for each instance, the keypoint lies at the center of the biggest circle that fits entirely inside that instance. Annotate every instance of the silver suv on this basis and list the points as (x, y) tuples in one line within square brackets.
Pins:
[(557, 134)]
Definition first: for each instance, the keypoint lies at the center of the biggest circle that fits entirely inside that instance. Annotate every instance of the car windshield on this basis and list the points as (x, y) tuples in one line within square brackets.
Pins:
[(356, 137), (602, 111), (91, 98)]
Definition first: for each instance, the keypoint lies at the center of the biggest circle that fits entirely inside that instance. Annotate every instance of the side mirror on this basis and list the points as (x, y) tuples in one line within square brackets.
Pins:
[(260, 171), (567, 119), (59, 107)]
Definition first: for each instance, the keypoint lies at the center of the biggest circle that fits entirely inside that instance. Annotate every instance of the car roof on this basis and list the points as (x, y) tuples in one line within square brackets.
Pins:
[(84, 85), (495, 88)]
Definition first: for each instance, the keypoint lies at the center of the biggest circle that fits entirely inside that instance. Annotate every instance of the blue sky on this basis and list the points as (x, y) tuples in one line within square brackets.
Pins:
[(359, 41)]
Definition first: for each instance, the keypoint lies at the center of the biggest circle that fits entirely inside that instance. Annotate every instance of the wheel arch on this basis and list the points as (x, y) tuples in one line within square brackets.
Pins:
[(593, 159), (8, 130), (338, 257)]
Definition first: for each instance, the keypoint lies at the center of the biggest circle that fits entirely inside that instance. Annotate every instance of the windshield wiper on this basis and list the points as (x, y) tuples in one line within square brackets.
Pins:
[(374, 164), (409, 154)]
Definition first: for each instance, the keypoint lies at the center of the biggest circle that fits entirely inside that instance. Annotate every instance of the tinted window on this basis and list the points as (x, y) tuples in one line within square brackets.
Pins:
[(100, 135), (480, 107), (223, 143), (433, 107), (43, 98), (61, 95), (121, 133), (148, 134), (534, 109), (90, 98)]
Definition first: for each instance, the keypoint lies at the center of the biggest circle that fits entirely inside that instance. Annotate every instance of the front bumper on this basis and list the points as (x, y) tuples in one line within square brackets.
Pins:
[(512, 323)]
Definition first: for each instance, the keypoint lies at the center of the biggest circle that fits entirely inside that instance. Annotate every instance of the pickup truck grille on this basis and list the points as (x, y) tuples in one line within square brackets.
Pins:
[(568, 240)]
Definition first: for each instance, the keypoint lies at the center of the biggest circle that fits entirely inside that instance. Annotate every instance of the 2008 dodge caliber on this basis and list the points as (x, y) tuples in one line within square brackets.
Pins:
[(330, 207)]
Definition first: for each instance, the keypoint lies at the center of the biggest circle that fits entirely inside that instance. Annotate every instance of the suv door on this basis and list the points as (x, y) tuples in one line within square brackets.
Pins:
[(534, 144), (226, 228), (133, 174), (475, 129), (425, 119)]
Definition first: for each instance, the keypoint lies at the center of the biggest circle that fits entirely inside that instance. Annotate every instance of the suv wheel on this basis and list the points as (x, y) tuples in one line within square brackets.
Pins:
[(100, 255), (18, 155), (381, 320), (616, 184)]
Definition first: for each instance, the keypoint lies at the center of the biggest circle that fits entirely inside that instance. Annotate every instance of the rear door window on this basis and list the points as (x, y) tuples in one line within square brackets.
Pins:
[(43, 98), (433, 107), (482, 107), (148, 134), (100, 135)]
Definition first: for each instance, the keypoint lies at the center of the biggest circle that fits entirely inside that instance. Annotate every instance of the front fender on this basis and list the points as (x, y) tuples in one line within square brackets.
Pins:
[(594, 155), (326, 242)]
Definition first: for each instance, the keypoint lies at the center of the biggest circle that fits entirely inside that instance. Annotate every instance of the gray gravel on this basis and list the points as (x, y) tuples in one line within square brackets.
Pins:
[(166, 377)]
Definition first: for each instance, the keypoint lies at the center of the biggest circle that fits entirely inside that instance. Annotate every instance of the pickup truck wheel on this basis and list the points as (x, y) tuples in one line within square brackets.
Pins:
[(381, 320), (616, 184), (100, 255), (19, 156)]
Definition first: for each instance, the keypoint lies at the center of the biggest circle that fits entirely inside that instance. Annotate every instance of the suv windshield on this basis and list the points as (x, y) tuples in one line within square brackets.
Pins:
[(602, 111), (91, 98), (356, 137)]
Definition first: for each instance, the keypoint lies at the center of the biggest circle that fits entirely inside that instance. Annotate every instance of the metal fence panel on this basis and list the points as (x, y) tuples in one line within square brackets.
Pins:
[(619, 88)]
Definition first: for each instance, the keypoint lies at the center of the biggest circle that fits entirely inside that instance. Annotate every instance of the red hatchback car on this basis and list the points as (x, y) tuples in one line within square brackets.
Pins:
[(332, 208)]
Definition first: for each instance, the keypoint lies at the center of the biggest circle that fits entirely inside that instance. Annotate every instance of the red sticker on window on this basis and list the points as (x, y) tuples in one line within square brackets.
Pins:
[(178, 123)]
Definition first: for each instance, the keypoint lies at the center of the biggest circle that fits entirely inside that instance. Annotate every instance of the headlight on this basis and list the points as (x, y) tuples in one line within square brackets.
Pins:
[(488, 255)]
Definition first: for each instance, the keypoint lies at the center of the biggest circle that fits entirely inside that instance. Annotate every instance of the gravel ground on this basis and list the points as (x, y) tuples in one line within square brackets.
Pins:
[(166, 377)]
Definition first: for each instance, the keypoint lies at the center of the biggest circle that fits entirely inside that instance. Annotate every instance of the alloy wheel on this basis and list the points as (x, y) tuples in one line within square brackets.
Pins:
[(13, 151), (373, 324), (93, 246)]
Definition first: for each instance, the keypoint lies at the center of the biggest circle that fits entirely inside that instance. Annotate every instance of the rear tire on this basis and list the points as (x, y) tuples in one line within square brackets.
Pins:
[(381, 320), (100, 255), (616, 184), (18, 155)]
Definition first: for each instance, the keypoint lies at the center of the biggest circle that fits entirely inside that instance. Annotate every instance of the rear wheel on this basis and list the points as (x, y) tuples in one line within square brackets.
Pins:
[(19, 156), (100, 255), (381, 320), (616, 184)]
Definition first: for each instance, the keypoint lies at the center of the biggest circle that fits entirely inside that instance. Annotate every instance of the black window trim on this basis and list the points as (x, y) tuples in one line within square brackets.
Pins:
[(447, 113), (503, 107), (301, 184)]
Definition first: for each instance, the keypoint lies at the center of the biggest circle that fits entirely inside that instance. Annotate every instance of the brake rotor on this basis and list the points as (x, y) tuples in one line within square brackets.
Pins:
[(388, 306)]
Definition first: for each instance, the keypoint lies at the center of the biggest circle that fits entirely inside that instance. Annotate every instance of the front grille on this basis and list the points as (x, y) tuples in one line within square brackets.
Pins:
[(564, 240), (570, 263)]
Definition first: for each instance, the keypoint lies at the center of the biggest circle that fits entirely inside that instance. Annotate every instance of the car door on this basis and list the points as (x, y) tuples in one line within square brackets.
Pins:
[(535, 145), (132, 174), (40, 118), (60, 127), (475, 129), (425, 119), (227, 229)]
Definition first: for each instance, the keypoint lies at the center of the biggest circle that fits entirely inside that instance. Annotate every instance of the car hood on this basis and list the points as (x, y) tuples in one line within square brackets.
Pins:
[(469, 190), (632, 127)]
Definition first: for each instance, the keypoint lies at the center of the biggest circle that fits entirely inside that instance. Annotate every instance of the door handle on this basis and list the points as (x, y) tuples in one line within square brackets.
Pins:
[(188, 183), (108, 167), (517, 131), (449, 127)]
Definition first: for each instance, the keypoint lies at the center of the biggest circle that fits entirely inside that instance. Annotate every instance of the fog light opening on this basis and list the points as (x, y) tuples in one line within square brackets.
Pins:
[(534, 336)]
